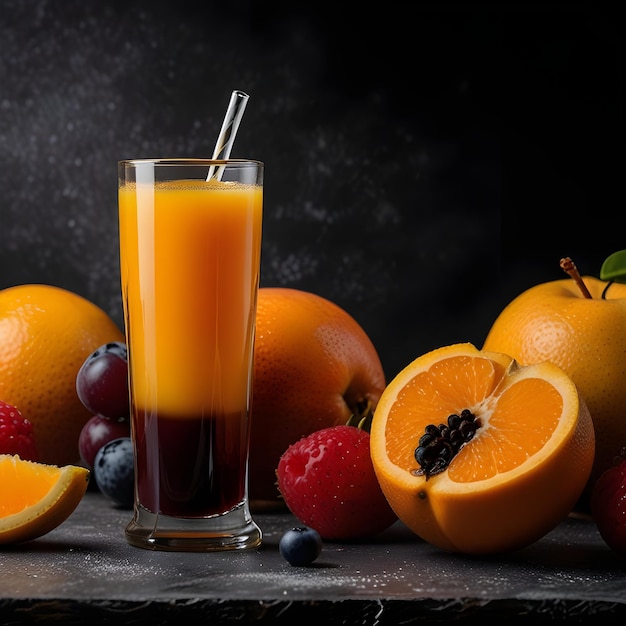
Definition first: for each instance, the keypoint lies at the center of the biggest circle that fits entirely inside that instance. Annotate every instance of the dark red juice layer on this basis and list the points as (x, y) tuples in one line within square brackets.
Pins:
[(190, 467)]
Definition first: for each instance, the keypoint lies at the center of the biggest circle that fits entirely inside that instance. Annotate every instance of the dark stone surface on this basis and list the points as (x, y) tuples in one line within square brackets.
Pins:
[(425, 162), (84, 570)]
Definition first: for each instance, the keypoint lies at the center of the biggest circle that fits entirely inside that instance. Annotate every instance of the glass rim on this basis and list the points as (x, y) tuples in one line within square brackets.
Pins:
[(202, 162)]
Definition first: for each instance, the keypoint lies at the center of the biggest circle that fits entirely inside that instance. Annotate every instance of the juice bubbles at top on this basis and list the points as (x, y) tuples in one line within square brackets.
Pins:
[(189, 261)]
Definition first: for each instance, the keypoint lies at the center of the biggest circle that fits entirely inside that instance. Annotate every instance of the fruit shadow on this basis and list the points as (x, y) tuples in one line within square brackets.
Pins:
[(46, 546), (582, 557), (397, 533)]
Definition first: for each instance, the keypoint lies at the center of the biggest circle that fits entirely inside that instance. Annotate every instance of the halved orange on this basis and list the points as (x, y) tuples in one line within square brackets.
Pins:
[(36, 498), (510, 483)]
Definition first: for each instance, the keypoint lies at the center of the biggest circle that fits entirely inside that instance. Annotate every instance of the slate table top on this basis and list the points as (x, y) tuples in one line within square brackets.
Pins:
[(84, 571)]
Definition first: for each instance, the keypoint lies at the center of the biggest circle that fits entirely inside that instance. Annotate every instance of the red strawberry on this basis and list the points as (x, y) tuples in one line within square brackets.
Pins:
[(608, 504), (327, 480), (16, 434)]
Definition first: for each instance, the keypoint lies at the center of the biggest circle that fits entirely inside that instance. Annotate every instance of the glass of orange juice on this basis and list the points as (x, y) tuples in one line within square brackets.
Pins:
[(190, 247)]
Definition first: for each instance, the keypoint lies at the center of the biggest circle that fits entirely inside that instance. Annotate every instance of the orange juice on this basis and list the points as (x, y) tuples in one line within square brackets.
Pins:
[(189, 262)]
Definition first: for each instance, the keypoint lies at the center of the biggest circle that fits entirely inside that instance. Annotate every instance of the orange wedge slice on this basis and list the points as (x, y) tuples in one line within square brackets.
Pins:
[(507, 484), (36, 498)]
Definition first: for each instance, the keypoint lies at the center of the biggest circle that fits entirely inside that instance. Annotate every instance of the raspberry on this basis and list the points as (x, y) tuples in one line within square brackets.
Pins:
[(608, 505), (16, 434), (328, 482)]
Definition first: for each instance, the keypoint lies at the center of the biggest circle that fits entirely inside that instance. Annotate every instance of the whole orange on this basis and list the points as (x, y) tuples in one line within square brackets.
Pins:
[(46, 333), (314, 367), (586, 337)]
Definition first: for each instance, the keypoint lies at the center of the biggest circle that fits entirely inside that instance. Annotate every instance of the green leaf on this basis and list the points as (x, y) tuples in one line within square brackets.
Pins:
[(614, 267)]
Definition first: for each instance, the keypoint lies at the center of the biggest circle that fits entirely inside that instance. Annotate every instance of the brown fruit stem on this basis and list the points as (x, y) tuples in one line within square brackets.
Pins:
[(568, 266), (362, 417)]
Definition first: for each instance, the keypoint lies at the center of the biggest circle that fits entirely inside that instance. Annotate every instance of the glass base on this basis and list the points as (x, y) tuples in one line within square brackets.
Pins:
[(234, 530)]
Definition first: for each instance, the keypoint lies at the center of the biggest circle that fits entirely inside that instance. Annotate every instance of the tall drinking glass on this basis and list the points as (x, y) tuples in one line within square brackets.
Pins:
[(189, 260)]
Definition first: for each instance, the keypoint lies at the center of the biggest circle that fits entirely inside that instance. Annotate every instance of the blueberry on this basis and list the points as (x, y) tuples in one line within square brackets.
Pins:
[(114, 471), (300, 545)]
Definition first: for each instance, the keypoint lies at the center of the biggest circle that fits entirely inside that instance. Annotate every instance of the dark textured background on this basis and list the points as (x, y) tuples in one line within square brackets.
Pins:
[(425, 161)]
